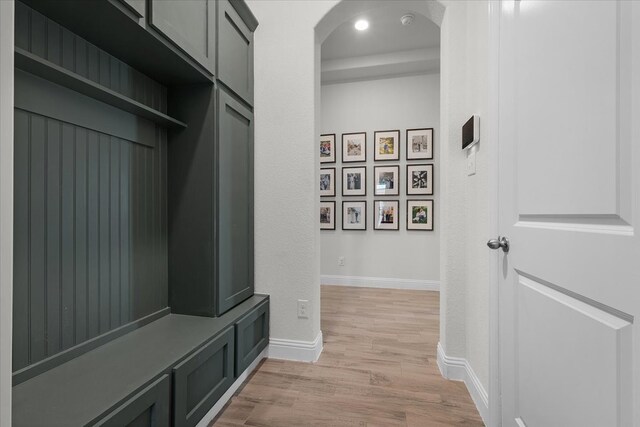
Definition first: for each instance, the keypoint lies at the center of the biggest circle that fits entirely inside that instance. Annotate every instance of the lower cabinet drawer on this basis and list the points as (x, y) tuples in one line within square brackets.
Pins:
[(148, 408), (201, 379), (252, 336)]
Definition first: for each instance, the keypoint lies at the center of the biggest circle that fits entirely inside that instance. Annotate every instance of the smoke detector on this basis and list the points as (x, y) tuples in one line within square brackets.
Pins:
[(407, 19)]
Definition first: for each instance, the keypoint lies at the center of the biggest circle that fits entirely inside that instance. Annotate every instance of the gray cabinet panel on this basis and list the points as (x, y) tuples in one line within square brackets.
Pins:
[(235, 52), (190, 192), (138, 8), (148, 408), (252, 336), (201, 379), (234, 202), (190, 25)]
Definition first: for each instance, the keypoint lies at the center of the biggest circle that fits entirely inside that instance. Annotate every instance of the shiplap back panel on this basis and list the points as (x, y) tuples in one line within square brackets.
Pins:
[(90, 209), (90, 240), (45, 38)]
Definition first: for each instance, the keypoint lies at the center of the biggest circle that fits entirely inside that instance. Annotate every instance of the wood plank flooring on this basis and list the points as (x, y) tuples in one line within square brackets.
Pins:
[(378, 368)]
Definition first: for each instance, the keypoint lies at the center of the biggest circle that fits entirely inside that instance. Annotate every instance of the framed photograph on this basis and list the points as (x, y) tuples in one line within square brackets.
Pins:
[(386, 180), (354, 215), (328, 148), (420, 144), (386, 214), (386, 145), (327, 215), (419, 180), (328, 182), (420, 215), (354, 181), (354, 147)]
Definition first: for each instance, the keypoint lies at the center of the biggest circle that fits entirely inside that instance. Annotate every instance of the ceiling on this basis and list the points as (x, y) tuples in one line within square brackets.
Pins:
[(385, 34)]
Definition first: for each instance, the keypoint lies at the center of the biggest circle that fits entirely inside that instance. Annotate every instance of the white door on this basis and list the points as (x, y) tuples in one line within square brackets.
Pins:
[(570, 206)]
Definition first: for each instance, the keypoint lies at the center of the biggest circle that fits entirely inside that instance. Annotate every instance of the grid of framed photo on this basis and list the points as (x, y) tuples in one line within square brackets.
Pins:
[(387, 180), (328, 148), (354, 147), (420, 215), (386, 215), (420, 144), (354, 215), (328, 182), (354, 181), (420, 180), (386, 145), (328, 215)]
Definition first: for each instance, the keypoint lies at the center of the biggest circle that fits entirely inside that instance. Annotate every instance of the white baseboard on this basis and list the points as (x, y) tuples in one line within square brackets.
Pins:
[(458, 369), (380, 282), (301, 351), (215, 410)]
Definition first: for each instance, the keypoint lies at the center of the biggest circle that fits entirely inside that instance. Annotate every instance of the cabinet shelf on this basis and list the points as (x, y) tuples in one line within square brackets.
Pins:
[(33, 64)]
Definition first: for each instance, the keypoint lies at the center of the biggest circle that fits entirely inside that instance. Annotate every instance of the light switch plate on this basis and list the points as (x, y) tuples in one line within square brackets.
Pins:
[(471, 162)]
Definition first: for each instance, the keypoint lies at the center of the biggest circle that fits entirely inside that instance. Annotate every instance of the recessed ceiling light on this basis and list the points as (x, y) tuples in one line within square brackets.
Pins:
[(362, 25)]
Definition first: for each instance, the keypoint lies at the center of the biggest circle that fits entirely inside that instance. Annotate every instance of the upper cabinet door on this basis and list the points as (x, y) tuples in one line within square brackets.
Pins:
[(234, 202), (235, 51), (136, 7), (188, 24)]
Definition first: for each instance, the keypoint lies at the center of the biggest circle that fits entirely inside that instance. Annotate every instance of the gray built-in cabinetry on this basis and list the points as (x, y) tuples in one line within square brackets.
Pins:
[(133, 210)]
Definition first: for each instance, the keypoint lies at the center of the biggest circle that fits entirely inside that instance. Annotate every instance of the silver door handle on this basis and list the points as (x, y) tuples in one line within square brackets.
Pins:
[(500, 242)]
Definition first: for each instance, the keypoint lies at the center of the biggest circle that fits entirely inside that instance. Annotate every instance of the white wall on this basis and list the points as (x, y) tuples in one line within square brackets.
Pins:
[(6, 206), (287, 234), (287, 200), (466, 261), (366, 106)]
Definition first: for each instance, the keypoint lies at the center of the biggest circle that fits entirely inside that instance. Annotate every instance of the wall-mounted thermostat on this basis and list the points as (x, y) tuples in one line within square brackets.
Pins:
[(471, 132)]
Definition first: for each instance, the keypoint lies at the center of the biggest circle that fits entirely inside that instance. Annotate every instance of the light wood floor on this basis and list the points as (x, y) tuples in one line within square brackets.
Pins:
[(378, 368)]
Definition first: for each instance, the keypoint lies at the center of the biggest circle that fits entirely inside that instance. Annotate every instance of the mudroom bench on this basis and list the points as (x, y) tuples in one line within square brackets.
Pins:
[(167, 373)]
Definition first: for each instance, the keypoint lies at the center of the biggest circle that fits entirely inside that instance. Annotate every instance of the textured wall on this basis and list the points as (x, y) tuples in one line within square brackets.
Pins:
[(366, 106), (464, 327), (287, 235)]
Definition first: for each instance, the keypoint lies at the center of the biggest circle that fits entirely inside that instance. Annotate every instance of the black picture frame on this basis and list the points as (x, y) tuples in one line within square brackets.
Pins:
[(333, 183), (332, 222), (345, 158), (376, 216), (409, 179), (331, 137), (364, 214), (377, 191), (381, 157), (363, 184), (410, 153), (430, 225)]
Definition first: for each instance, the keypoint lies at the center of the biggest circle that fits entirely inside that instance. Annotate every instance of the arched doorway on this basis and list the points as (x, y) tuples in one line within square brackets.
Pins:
[(287, 49)]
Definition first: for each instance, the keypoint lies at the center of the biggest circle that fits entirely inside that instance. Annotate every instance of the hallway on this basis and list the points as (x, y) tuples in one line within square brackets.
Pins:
[(378, 368)]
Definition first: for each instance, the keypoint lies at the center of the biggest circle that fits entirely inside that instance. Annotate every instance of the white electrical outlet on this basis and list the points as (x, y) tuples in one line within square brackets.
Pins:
[(341, 261), (303, 309)]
